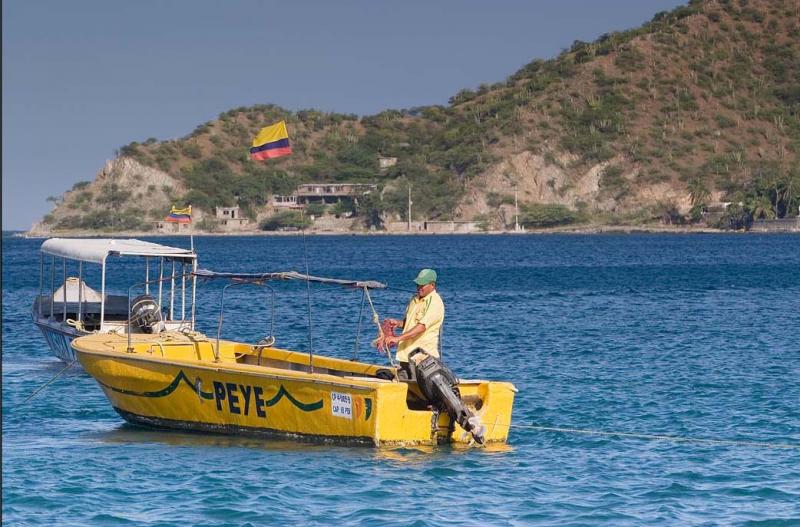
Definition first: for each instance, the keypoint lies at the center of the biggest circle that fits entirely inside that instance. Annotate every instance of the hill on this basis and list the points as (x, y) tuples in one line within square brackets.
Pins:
[(700, 105)]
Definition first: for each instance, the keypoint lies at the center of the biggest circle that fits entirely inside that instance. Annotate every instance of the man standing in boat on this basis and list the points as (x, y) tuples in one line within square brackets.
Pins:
[(422, 322)]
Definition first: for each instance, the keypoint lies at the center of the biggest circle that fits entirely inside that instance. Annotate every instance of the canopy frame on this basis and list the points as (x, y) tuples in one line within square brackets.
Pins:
[(260, 278), (97, 250)]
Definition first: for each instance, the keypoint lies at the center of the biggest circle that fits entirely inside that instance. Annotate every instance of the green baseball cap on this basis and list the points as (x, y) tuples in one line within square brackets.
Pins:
[(425, 277)]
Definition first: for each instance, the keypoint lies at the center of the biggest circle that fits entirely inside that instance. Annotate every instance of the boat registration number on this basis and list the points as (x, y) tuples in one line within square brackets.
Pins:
[(342, 405)]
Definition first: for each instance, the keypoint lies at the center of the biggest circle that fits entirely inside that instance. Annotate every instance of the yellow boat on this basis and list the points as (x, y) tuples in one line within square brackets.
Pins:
[(186, 380)]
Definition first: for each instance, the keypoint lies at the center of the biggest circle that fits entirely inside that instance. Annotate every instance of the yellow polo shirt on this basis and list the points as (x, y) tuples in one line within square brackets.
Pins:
[(428, 311)]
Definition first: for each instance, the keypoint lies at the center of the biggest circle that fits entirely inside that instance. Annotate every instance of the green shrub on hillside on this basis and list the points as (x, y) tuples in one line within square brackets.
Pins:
[(211, 182), (723, 121), (736, 217), (483, 222), (538, 215), (316, 209), (629, 59), (130, 150), (371, 209), (113, 195), (83, 197), (271, 180), (285, 220), (461, 97), (613, 183), (343, 208), (200, 130), (106, 220), (435, 194), (494, 200), (199, 199), (590, 127), (192, 151)]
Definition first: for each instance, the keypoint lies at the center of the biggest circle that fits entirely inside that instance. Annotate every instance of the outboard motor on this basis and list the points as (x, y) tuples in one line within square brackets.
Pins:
[(145, 315), (440, 386)]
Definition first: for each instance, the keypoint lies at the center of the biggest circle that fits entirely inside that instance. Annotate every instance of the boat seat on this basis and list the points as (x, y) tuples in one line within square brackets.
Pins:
[(116, 306)]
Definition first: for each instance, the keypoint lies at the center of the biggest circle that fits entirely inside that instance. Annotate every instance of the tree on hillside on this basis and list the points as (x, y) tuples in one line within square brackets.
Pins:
[(761, 207), (774, 185), (698, 192), (371, 208)]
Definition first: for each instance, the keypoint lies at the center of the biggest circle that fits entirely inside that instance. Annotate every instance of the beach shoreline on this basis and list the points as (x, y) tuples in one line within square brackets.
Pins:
[(582, 230)]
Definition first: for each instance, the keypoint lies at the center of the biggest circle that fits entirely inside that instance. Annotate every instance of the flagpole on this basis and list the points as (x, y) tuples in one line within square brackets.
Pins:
[(181, 216), (191, 229), (191, 238)]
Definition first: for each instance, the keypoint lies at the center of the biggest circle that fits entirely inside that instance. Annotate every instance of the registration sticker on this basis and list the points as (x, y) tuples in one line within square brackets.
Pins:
[(342, 405)]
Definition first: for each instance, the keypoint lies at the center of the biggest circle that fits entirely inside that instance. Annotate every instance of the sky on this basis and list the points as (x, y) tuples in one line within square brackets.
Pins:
[(82, 78)]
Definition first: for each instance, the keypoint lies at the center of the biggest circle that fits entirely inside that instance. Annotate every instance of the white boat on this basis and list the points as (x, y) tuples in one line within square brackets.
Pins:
[(72, 309)]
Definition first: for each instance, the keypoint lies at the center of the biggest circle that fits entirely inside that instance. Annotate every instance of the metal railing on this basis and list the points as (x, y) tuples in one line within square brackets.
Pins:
[(222, 313)]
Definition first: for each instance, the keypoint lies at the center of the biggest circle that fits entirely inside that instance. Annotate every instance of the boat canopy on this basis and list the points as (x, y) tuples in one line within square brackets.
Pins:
[(96, 250), (258, 278)]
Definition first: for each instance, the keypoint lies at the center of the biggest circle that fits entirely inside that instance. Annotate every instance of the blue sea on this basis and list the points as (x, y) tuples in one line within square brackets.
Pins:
[(692, 336)]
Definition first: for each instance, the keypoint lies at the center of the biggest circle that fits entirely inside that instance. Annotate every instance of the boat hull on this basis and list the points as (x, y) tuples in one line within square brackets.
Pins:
[(59, 337), (230, 429), (151, 390)]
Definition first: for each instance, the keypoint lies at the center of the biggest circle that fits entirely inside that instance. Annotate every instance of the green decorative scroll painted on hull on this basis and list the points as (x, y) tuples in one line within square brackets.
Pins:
[(197, 388), (163, 392), (310, 407)]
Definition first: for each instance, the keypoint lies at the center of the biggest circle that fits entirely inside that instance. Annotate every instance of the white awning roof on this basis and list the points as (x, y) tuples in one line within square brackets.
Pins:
[(96, 249)]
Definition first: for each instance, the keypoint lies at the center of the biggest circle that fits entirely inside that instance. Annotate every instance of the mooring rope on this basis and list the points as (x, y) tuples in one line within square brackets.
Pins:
[(656, 437), (377, 320), (45, 385)]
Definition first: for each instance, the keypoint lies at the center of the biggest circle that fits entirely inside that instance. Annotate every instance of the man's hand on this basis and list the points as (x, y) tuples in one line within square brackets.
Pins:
[(392, 340), (386, 332)]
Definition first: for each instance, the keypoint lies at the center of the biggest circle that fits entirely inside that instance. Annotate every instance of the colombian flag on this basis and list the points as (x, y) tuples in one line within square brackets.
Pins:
[(272, 141), (177, 215)]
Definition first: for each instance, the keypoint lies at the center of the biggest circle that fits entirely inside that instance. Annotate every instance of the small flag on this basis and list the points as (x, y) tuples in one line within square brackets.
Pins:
[(272, 141), (177, 215)]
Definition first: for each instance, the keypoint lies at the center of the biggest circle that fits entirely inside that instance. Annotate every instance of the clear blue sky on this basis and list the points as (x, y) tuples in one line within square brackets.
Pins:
[(84, 77)]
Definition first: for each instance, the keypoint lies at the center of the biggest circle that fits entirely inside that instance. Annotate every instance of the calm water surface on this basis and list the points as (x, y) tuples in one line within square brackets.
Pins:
[(693, 336)]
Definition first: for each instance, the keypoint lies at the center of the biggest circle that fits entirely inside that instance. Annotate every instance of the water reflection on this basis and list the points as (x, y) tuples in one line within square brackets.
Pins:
[(424, 453), (127, 433)]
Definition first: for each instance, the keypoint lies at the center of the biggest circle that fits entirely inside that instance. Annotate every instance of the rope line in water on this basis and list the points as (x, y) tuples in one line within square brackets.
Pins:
[(45, 385), (658, 437)]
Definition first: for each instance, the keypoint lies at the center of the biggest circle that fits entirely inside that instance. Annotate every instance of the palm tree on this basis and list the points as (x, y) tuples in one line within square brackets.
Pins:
[(761, 206), (698, 192), (793, 192)]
